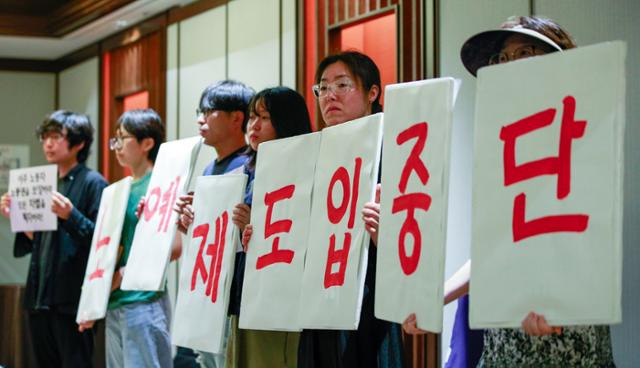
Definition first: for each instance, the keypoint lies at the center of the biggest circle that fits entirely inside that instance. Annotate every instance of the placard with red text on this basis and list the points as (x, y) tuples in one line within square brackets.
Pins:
[(103, 256), (207, 267), (336, 263), (547, 189), (280, 217), (155, 231), (413, 201)]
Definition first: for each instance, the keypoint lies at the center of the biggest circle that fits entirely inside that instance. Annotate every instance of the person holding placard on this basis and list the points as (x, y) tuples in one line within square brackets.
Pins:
[(348, 87), (137, 322), (277, 112), (537, 344), (222, 116), (59, 258)]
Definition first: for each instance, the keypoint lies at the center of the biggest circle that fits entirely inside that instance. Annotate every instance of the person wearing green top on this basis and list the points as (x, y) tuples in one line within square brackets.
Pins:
[(137, 322)]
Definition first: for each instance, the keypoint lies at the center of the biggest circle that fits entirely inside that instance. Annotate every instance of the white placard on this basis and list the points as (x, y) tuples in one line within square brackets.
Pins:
[(96, 287), (413, 202), (12, 156), (547, 189), (280, 217), (337, 254), (30, 190), (155, 231), (207, 268)]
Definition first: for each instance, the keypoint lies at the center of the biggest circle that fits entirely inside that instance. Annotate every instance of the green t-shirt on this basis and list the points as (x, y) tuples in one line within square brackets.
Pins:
[(119, 297)]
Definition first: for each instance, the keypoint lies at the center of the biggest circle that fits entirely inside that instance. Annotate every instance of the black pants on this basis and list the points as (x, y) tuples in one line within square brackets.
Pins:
[(57, 342)]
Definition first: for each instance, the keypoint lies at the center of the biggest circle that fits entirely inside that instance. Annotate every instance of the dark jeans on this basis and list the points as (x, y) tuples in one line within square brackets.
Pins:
[(57, 342)]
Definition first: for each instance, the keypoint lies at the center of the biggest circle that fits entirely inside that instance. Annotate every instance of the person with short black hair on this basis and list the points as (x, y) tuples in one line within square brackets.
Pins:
[(137, 322), (59, 258), (222, 116)]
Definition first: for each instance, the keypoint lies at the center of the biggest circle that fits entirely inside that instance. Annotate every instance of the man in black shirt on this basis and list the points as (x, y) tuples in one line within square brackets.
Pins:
[(59, 258)]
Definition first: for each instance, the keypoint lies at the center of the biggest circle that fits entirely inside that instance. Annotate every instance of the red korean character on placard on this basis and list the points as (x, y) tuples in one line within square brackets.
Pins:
[(276, 255), (411, 201), (164, 201), (103, 241), (560, 166), (215, 250), (336, 214)]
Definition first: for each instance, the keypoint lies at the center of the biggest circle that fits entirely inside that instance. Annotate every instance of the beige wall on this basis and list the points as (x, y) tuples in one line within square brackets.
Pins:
[(241, 40), (78, 91), (26, 98)]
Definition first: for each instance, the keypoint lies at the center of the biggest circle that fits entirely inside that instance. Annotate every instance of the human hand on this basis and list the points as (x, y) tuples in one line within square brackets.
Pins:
[(5, 204), (371, 216), (183, 207), (140, 207), (241, 215), (246, 237), (116, 281), (85, 325), (61, 205), (409, 326), (536, 325)]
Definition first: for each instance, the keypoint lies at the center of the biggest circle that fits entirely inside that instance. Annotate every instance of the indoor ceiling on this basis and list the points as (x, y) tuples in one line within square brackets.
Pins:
[(50, 29)]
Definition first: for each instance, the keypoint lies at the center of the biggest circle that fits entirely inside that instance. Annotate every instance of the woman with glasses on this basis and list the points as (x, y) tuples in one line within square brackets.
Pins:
[(137, 322), (348, 87), (537, 344)]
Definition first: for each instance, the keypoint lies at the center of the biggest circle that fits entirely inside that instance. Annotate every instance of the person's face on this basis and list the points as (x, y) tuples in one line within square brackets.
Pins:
[(260, 128), (215, 126), (131, 152), (345, 98), (56, 147), (518, 47)]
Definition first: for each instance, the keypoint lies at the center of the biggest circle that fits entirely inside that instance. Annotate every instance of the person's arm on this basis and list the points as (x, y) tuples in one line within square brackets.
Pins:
[(80, 226), (458, 284), (371, 216), (455, 287), (176, 247)]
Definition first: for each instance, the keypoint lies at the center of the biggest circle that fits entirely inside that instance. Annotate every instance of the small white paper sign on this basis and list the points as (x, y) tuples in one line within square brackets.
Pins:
[(337, 254), (280, 218), (207, 268), (547, 189), (30, 190), (96, 287), (154, 234), (413, 202)]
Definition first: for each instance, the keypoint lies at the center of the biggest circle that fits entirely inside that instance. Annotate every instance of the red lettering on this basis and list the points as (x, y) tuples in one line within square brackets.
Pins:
[(215, 250), (414, 163), (150, 210), (271, 228), (560, 165), (410, 202), (339, 256), (200, 231), (335, 215), (99, 272)]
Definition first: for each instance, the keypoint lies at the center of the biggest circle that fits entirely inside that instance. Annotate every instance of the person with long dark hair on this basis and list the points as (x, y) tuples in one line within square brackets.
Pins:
[(274, 113)]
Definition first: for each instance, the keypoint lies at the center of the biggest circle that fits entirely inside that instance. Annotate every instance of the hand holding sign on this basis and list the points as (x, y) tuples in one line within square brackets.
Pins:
[(5, 204), (61, 205), (30, 198)]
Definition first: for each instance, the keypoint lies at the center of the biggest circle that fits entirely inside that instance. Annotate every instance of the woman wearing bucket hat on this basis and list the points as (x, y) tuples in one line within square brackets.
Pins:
[(537, 343)]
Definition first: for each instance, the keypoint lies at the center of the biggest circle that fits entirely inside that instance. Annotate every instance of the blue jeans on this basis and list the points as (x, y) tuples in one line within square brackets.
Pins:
[(137, 335)]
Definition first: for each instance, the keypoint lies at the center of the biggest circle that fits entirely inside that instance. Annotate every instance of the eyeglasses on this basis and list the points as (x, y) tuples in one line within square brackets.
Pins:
[(203, 112), (338, 87), (520, 53), (116, 143), (55, 137)]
